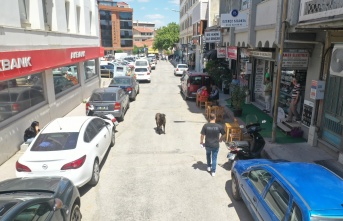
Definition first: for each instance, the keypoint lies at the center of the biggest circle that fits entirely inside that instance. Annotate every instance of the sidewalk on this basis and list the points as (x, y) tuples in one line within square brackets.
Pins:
[(301, 152)]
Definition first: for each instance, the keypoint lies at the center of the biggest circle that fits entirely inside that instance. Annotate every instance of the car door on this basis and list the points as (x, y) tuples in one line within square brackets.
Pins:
[(104, 136), (38, 211), (253, 188), (93, 141), (184, 81)]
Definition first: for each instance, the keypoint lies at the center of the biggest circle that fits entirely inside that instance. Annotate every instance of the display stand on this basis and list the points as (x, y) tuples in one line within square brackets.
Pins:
[(307, 113)]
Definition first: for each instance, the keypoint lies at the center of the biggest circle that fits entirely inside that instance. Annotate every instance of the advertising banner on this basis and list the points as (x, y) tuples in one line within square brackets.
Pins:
[(212, 36), (233, 19), (221, 52), (232, 52), (295, 60)]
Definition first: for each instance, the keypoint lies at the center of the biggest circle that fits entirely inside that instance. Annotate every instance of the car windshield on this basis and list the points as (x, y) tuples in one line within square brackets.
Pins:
[(8, 97), (141, 63), (120, 69), (182, 66), (120, 81), (196, 80), (107, 96), (141, 70), (55, 141)]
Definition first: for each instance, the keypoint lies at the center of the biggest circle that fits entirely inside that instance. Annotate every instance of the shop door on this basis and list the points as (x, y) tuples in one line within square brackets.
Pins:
[(333, 112)]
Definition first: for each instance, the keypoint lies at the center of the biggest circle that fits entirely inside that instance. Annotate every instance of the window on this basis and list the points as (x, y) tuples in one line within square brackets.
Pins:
[(126, 25), (55, 141), (125, 34), (107, 96), (90, 21), (78, 16), (197, 80), (67, 6), (277, 199), (20, 94), (90, 132), (125, 16), (65, 78), (38, 212), (260, 179), (89, 68), (99, 124), (24, 10), (295, 214)]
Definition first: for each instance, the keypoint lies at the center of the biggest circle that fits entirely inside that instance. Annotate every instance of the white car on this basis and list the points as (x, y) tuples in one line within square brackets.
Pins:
[(72, 147), (142, 74), (180, 68), (140, 63)]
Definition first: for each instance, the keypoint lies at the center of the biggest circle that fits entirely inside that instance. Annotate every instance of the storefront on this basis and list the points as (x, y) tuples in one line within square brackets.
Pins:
[(42, 85)]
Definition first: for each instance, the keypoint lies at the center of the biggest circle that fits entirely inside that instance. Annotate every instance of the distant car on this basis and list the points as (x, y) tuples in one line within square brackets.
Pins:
[(128, 83), (40, 198), (16, 99), (142, 63), (180, 68), (142, 74), (152, 63), (73, 147), (292, 191), (122, 71), (191, 81), (110, 100), (107, 70)]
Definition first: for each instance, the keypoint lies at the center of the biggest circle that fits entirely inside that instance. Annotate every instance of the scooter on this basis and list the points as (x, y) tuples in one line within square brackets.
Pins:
[(241, 150), (90, 112)]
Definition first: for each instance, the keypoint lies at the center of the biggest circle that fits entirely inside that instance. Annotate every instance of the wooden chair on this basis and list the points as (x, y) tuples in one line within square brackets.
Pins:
[(220, 114), (197, 99), (235, 134), (202, 100), (211, 109)]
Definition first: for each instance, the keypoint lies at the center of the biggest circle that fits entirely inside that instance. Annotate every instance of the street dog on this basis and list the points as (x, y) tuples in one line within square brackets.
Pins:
[(160, 121)]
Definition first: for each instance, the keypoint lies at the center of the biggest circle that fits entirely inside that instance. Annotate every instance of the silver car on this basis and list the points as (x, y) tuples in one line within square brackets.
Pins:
[(180, 68), (111, 100)]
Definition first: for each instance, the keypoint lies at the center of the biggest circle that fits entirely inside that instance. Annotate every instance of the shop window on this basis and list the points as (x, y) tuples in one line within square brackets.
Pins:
[(20, 94), (89, 67), (65, 78)]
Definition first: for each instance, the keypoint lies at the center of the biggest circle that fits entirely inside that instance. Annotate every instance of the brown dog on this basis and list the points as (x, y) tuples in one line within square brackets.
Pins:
[(160, 121)]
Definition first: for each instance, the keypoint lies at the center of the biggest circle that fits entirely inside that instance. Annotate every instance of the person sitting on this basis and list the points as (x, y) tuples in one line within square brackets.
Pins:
[(214, 96), (31, 132), (202, 91)]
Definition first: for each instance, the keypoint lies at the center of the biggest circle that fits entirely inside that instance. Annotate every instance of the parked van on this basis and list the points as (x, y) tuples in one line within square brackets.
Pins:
[(192, 81)]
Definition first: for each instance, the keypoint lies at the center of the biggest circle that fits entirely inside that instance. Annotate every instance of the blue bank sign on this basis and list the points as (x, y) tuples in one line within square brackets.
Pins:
[(233, 19)]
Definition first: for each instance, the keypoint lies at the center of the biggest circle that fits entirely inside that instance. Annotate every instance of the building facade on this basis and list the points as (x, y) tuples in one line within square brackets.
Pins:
[(311, 53), (115, 26), (142, 33), (49, 56)]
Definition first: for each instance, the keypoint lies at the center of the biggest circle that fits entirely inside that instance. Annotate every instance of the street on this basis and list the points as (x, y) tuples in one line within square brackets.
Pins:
[(147, 176)]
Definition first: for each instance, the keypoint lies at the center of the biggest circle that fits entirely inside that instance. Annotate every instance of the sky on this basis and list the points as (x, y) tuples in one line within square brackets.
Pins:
[(155, 11)]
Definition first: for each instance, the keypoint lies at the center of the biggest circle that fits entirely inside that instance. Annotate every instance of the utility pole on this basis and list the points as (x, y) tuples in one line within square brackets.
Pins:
[(278, 78)]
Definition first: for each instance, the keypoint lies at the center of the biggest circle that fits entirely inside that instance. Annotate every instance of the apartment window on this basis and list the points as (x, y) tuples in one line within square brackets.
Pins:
[(24, 10), (45, 12), (78, 16), (67, 6), (90, 21)]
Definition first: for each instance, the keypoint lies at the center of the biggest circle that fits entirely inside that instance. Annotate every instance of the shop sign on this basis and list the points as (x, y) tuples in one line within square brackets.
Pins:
[(262, 54), (233, 19), (295, 60), (317, 90), (259, 76), (221, 52), (212, 37), (78, 54), (232, 52), (15, 63)]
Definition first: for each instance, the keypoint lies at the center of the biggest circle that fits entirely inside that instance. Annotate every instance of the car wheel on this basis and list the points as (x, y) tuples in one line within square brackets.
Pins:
[(234, 188), (95, 174), (75, 214), (113, 138)]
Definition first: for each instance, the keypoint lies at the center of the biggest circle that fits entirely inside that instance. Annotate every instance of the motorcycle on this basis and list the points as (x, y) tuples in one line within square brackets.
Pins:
[(90, 112), (241, 150)]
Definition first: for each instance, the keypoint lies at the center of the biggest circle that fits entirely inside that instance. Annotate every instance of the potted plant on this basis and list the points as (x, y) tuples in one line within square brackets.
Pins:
[(238, 95)]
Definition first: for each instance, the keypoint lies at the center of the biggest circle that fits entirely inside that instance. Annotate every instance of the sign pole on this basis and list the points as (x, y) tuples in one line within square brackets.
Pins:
[(278, 78)]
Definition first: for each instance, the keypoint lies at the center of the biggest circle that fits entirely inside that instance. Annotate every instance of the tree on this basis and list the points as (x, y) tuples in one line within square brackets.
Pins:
[(141, 49), (166, 36)]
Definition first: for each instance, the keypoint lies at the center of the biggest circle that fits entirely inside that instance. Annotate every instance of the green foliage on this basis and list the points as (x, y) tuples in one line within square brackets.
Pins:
[(218, 70), (135, 49), (238, 95), (166, 36), (119, 51)]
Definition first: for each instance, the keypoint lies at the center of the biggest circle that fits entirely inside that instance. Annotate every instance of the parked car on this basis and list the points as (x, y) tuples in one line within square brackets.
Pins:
[(111, 100), (180, 68), (107, 70), (142, 74), (152, 63), (191, 81), (276, 190), (72, 147), (16, 99), (142, 63), (40, 198), (128, 83), (122, 71)]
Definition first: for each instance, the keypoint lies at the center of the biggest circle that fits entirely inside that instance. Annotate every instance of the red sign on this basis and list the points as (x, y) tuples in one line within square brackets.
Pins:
[(15, 64), (232, 52)]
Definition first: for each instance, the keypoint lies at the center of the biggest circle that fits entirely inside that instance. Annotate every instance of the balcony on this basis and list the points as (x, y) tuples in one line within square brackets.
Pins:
[(320, 9)]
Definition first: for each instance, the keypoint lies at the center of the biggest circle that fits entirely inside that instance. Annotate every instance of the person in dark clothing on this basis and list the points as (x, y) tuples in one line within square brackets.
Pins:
[(31, 132), (211, 131), (214, 96)]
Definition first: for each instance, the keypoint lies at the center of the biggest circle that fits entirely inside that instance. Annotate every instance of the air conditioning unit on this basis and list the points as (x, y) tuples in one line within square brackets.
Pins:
[(336, 65)]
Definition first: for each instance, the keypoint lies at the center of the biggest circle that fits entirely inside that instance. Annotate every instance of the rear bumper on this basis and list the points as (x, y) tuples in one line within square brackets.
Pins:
[(114, 113)]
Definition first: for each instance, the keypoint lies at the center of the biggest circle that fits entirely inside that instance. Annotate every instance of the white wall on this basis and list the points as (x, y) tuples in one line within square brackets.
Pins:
[(266, 13)]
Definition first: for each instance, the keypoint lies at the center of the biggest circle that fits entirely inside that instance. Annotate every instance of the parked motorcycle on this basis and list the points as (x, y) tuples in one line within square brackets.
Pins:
[(90, 112), (241, 150)]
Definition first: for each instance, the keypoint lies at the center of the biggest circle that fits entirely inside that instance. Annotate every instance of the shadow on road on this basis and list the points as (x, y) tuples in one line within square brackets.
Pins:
[(200, 166)]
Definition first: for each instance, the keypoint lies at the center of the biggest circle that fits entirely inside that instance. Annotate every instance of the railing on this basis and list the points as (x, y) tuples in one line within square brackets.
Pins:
[(319, 9)]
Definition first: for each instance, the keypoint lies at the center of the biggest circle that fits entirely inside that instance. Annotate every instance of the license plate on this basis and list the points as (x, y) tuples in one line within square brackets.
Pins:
[(102, 108), (140, 74), (231, 156)]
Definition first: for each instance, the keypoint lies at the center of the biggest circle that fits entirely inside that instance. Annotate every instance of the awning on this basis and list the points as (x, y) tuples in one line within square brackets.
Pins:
[(152, 51)]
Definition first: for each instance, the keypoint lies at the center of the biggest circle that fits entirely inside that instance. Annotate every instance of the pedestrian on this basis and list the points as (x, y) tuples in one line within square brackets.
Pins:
[(211, 132), (294, 102), (267, 94), (31, 132)]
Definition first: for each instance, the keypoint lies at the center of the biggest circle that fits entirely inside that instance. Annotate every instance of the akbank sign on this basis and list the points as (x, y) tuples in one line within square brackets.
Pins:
[(15, 63)]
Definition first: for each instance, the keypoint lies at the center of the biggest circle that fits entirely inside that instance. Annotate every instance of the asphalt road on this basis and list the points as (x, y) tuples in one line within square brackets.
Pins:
[(147, 176)]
